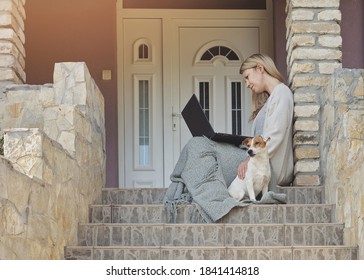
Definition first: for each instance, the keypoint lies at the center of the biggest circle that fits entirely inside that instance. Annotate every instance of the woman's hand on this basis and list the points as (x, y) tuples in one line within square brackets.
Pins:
[(243, 167)]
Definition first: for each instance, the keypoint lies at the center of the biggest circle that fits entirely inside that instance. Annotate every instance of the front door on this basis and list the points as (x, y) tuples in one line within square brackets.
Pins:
[(209, 67), (164, 57)]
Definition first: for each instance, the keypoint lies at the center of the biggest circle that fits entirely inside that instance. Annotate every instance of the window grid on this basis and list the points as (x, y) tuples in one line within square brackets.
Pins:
[(204, 94), (236, 110), (219, 51)]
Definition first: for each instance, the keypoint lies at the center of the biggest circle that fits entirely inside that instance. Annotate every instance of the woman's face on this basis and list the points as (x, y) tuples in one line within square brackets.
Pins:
[(254, 79)]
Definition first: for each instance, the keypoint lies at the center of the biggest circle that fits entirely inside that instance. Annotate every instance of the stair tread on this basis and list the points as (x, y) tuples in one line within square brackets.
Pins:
[(295, 194), (204, 224), (250, 205), (212, 247), (165, 188)]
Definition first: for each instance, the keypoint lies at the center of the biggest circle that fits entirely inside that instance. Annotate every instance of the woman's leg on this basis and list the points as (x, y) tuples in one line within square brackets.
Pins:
[(229, 157), (208, 169)]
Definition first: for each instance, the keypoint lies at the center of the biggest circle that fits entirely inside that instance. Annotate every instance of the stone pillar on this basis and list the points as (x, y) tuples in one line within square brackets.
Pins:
[(314, 52), (12, 39)]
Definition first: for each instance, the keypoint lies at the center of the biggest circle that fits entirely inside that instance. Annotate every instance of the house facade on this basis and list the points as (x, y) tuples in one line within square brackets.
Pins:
[(100, 38), (148, 57)]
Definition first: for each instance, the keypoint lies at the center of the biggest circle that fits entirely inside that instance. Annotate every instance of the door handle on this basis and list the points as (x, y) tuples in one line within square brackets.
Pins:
[(175, 119)]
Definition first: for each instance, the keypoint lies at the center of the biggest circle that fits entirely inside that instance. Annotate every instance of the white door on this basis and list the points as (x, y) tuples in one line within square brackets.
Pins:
[(210, 59), (143, 113), (164, 57)]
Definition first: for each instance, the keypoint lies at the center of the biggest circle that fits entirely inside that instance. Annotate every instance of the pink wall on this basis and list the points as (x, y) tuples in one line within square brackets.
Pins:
[(76, 30), (279, 34), (352, 32)]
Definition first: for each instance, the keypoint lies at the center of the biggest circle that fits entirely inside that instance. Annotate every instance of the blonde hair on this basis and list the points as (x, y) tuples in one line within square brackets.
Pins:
[(264, 60), (259, 99)]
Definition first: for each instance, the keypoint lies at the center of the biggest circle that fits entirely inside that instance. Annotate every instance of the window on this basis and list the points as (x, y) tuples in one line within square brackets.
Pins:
[(144, 131), (143, 52), (236, 110), (204, 95), (219, 51)]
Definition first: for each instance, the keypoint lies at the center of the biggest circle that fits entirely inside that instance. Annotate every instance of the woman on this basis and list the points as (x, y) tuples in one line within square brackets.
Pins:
[(205, 168), (275, 118)]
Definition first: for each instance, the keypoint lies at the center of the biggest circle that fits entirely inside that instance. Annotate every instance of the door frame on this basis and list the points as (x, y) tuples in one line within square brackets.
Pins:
[(172, 20)]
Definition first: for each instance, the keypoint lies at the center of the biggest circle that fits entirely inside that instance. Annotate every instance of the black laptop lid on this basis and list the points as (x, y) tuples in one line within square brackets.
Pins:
[(196, 119), (199, 125)]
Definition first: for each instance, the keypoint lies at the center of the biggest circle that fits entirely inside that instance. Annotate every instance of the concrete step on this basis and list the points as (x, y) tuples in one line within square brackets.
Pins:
[(252, 214), (212, 253), (295, 195), (214, 235)]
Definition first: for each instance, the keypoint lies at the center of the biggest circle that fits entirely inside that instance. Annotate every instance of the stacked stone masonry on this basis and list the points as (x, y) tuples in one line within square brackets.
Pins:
[(54, 163), (12, 39), (314, 53), (342, 146)]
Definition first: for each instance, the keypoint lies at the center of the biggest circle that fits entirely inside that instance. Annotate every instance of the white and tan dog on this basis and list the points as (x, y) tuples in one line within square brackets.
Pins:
[(258, 174)]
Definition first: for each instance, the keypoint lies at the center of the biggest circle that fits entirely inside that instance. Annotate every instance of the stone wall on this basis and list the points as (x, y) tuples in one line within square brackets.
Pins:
[(314, 52), (342, 145), (12, 39), (53, 165), (329, 112)]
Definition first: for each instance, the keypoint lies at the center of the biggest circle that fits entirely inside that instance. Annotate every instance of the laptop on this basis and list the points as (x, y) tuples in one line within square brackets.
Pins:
[(199, 125)]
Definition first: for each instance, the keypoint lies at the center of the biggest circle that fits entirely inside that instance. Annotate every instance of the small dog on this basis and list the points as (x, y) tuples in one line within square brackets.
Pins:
[(258, 174)]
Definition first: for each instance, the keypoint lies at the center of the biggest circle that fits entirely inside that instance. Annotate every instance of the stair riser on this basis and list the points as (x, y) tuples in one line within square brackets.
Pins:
[(162, 253), (210, 235), (295, 195), (253, 214), (133, 196)]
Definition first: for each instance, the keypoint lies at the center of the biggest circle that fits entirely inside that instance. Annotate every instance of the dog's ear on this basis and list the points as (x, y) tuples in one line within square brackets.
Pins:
[(247, 142), (265, 139)]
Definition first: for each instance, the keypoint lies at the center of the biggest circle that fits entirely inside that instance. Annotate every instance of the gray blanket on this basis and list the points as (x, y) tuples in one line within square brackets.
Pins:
[(201, 176)]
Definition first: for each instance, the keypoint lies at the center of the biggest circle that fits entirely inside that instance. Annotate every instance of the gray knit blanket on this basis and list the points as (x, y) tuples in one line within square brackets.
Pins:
[(201, 176)]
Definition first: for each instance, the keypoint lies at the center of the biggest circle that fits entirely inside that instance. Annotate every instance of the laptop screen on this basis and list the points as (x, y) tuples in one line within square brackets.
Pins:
[(196, 119), (199, 125)]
